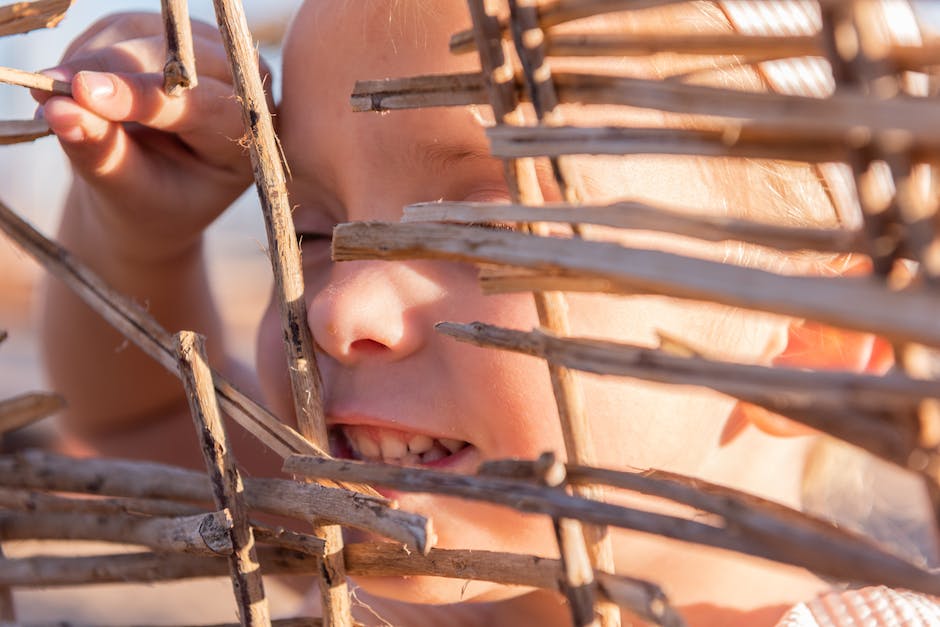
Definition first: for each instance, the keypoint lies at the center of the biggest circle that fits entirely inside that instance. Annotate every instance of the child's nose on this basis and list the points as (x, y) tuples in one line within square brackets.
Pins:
[(372, 310)]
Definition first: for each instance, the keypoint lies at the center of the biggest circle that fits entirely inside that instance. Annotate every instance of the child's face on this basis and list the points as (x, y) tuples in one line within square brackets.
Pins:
[(389, 379)]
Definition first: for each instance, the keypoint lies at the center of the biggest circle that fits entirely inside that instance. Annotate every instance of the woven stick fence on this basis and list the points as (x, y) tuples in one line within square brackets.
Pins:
[(199, 525)]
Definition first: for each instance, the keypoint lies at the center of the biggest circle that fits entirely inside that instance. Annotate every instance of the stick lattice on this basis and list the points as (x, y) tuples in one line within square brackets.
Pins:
[(872, 131)]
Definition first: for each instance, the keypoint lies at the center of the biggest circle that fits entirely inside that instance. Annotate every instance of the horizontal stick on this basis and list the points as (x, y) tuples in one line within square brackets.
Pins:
[(442, 90), (303, 621), (643, 44), (851, 561), (203, 534), (32, 501), (33, 80), (850, 115), (373, 560), (557, 12), (40, 470), (22, 17), (875, 413), (644, 217), (22, 131), (513, 142), (25, 409), (143, 330), (857, 303)]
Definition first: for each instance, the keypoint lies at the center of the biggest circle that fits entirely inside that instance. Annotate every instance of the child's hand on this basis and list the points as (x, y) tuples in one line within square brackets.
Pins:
[(152, 170)]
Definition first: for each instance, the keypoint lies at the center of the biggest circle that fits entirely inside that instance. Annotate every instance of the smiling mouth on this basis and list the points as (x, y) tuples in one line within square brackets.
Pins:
[(390, 446)]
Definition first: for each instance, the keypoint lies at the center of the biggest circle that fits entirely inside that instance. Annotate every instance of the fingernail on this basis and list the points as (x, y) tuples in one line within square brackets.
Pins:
[(40, 113), (98, 85)]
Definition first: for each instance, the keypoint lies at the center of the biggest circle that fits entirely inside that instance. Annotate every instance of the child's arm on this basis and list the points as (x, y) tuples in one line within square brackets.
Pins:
[(150, 173)]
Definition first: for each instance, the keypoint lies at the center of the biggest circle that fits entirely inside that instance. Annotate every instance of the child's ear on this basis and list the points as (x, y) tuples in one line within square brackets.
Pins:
[(818, 347)]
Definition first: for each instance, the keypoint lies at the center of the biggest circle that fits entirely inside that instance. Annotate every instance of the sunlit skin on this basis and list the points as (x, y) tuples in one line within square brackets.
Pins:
[(388, 377)]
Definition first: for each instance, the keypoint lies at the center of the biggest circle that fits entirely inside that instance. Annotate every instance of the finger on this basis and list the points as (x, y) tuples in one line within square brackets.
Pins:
[(93, 144), (134, 25), (208, 117)]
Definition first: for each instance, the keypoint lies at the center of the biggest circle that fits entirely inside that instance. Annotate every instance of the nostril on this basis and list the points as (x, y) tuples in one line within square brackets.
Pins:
[(369, 347)]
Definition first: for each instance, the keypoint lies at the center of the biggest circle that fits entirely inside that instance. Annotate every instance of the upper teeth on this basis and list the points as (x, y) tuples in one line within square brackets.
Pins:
[(391, 446)]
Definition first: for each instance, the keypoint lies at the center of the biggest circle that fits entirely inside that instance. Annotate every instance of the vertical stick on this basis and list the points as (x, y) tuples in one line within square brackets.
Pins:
[(7, 609), (288, 277), (179, 72), (578, 583), (227, 488), (498, 78)]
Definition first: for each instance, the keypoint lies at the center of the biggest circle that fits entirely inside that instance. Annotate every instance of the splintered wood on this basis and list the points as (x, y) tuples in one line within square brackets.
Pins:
[(869, 131)]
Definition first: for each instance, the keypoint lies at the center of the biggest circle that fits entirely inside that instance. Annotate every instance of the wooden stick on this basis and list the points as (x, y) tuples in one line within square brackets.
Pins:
[(39, 470), (643, 44), (851, 561), (179, 72), (578, 584), (741, 142), (22, 17), (22, 131), (3, 335), (203, 534), (25, 409), (21, 500), (32, 80), (847, 114), (855, 303), (7, 607), (145, 332), (874, 418), (284, 250), (644, 217), (444, 90), (228, 491), (379, 560)]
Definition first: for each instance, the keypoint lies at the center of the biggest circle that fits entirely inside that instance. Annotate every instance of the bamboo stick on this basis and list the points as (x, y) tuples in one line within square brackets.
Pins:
[(25, 409), (228, 491), (203, 534), (39, 470), (22, 17), (644, 217), (146, 333), (520, 175), (851, 561), (375, 560), (855, 303), (872, 418), (179, 72), (22, 131), (32, 80), (288, 277)]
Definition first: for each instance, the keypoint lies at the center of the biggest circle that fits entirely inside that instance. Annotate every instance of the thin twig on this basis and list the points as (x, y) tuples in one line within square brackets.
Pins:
[(25, 409), (228, 492), (378, 560), (203, 534), (22, 17), (22, 500), (855, 303), (850, 560), (179, 72), (40, 470), (644, 217), (144, 331), (22, 131), (284, 249), (33, 80)]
